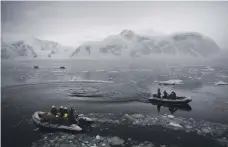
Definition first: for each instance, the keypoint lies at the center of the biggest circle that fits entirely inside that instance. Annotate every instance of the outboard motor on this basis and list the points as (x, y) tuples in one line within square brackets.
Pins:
[(85, 124)]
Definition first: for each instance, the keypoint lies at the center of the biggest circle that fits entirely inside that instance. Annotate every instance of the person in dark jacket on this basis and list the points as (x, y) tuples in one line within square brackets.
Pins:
[(165, 94), (61, 111), (173, 95), (72, 116), (54, 110), (159, 93), (65, 110)]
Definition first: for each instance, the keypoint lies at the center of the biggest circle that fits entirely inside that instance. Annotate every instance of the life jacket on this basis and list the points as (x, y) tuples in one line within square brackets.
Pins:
[(65, 115)]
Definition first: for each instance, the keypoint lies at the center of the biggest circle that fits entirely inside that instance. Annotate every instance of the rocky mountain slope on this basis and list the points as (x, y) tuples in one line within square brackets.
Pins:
[(32, 48)]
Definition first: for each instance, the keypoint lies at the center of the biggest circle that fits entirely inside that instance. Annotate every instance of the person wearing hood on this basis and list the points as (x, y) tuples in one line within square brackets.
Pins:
[(159, 93), (54, 110), (173, 95), (165, 94), (65, 110), (61, 111), (72, 115), (65, 113)]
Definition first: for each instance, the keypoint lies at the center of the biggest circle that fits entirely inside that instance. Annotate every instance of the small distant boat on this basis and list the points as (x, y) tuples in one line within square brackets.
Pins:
[(62, 67), (36, 67), (179, 100)]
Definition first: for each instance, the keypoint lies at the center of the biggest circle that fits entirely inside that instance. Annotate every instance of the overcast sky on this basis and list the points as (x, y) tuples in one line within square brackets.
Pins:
[(72, 23)]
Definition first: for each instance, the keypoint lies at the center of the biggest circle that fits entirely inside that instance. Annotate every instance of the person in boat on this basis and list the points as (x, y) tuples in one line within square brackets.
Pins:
[(61, 111), (159, 93), (65, 110), (165, 94), (65, 116), (65, 119), (72, 116), (173, 95), (54, 110)]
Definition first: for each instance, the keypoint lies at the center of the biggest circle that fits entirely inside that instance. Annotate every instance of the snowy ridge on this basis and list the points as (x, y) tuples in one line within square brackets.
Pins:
[(32, 48), (128, 43)]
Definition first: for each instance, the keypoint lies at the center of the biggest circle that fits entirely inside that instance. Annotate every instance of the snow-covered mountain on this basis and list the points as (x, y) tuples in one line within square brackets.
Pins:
[(32, 48), (125, 44), (128, 43)]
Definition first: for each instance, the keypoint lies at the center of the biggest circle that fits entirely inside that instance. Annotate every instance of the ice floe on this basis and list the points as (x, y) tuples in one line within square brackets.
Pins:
[(170, 116), (203, 128), (171, 82), (168, 121), (175, 125), (99, 70), (206, 130), (221, 75), (221, 83), (113, 71), (208, 68), (137, 116), (116, 141), (98, 137), (93, 81), (144, 144), (71, 78), (83, 140)]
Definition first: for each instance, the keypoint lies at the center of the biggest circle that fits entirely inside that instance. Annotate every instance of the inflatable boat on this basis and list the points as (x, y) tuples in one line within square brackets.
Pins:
[(177, 101), (36, 117)]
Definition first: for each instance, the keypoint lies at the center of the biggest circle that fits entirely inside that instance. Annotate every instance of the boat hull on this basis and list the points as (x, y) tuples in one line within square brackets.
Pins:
[(169, 101)]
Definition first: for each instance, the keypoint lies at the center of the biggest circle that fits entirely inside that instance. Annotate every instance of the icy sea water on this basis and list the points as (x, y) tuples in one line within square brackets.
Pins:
[(115, 95)]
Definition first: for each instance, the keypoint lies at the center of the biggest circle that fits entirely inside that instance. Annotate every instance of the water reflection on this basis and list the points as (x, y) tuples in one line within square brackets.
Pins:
[(173, 108)]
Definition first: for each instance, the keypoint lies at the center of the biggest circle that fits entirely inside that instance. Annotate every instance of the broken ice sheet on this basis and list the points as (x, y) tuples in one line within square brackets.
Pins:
[(204, 128), (79, 140)]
